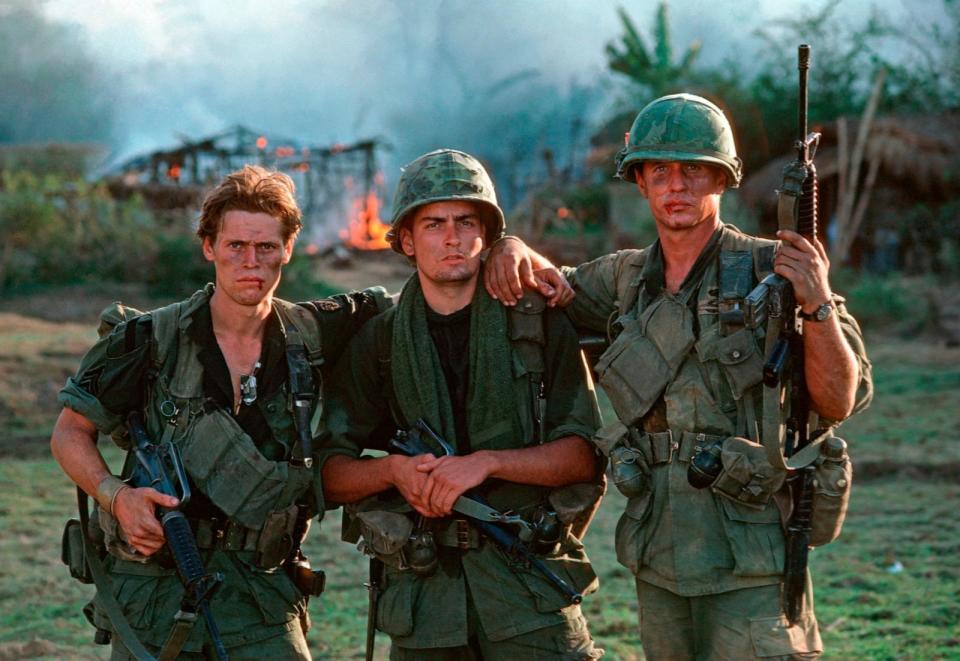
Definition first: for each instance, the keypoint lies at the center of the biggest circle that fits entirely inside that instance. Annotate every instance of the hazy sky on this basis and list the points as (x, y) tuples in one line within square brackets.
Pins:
[(340, 70)]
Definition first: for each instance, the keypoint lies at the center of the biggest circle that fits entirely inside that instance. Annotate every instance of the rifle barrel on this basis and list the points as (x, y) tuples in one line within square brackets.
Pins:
[(803, 65)]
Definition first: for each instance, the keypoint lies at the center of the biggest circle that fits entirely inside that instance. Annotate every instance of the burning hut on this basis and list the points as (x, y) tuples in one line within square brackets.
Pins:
[(334, 183)]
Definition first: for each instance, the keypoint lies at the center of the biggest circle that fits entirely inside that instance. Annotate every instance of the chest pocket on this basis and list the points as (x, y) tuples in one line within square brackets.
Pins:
[(738, 356), (646, 356)]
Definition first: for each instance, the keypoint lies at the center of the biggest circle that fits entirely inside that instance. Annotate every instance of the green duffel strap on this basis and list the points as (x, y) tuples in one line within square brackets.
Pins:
[(102, 580)]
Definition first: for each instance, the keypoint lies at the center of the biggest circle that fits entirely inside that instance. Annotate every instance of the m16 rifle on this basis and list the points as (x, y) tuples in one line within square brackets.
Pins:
[(773, 304), (158, 466), (491, 523)]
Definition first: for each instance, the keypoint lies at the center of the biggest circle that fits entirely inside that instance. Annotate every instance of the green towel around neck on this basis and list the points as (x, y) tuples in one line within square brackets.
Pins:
[(493, 420)]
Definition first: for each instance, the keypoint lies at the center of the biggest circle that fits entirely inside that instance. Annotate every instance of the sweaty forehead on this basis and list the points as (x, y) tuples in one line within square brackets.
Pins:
[(250, 226)]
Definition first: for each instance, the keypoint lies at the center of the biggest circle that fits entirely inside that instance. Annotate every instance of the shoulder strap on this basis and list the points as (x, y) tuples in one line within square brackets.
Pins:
[(529, 340), (308, 328), (305, 385), (628, 285)]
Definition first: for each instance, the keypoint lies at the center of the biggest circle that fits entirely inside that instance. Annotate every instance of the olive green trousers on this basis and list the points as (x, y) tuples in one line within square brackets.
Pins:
[(568, 641), (739, 624), (289, 645)]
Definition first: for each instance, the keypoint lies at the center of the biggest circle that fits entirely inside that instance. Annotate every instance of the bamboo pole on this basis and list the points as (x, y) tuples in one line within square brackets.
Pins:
[(844, 234)]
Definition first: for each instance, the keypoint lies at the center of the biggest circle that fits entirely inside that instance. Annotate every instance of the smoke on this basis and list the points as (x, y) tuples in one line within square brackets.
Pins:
[(501, 79)]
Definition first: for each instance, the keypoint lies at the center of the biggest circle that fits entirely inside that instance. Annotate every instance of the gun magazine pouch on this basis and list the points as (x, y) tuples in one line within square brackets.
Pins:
[(73, 554)]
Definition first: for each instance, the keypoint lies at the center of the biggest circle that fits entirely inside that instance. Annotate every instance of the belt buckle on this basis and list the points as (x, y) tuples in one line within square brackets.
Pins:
[(672, 446), (463, 534)]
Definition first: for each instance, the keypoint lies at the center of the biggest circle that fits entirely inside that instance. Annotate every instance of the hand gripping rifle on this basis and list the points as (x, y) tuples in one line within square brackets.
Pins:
[(773, 303), (158, 466), (491, 523)]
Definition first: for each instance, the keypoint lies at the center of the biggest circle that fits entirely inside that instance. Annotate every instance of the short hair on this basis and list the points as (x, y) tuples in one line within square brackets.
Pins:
[(256, 190)]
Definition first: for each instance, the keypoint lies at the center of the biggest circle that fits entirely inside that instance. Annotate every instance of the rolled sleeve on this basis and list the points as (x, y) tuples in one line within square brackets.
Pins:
[(854, 336), (599, 285), (109, 382)]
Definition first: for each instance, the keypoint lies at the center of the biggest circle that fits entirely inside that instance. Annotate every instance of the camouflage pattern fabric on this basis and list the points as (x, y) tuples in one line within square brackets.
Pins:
[(445, 174), (681, 127)]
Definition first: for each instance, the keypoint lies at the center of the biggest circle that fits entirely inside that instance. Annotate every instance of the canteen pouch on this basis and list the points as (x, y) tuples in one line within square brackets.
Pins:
[(576, 504), (831, 497), (73, 553)]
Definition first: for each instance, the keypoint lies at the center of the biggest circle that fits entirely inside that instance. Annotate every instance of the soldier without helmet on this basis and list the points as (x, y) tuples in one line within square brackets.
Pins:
[(213, 374)]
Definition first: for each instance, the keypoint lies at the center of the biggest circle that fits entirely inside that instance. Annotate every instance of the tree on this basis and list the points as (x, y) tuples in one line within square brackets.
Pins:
[(654, 70)]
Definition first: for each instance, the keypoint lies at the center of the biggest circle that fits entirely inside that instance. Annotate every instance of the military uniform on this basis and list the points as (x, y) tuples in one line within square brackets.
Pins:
[(250, 486), (477, 601), (678, 380)]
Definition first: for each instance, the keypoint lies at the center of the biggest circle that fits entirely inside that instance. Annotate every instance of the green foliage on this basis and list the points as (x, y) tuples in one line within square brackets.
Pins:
[(654, 71), (61, 232), (892, 302), (922, 63)]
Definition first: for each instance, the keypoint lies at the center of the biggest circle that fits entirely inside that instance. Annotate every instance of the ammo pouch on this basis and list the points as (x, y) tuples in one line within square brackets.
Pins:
[(73, 554), (747, 477), (384, 536), (645, 357), (276, 541), (832, 479)]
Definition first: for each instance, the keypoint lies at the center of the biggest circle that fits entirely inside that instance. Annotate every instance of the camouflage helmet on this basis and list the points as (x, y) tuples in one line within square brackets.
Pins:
[(681, 127), (441, 175)]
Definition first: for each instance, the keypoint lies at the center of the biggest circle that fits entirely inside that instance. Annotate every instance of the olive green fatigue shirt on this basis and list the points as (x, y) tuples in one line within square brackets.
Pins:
[(252, 603), (429, 612), (676, 537)]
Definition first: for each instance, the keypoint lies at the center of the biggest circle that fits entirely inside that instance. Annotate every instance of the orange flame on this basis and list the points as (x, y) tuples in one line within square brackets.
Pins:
[(366, 231)]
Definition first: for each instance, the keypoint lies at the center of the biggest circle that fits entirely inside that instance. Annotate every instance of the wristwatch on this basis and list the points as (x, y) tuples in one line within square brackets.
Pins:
[(822, 313)]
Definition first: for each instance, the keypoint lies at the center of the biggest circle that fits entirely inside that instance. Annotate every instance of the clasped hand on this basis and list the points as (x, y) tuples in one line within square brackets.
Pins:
[(432, 484)]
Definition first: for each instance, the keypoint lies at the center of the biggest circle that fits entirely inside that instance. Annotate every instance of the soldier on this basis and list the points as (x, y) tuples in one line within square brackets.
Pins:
[(708, 563), (511, 395), (215, 373)]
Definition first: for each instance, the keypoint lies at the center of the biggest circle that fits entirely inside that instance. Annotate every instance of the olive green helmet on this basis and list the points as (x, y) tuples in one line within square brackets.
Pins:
[(445, 174), (681, 127)]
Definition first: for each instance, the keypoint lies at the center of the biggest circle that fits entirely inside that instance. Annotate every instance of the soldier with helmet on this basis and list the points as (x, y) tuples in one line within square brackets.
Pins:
[(682, 374), (506, 390)]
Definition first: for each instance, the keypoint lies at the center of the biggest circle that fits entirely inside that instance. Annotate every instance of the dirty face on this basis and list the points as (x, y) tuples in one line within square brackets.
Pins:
[(248, 254), (445, 239), (681, 194)]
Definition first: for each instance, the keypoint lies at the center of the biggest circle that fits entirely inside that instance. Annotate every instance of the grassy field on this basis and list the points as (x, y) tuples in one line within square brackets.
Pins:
[(888, 589)]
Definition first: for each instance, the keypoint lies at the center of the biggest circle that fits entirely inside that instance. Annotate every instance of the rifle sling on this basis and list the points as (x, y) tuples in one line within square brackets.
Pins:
[(182, 626), (101, 579)]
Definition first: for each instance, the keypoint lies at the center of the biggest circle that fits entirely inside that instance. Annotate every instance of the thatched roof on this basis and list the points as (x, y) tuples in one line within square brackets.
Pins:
[(920, 155)]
